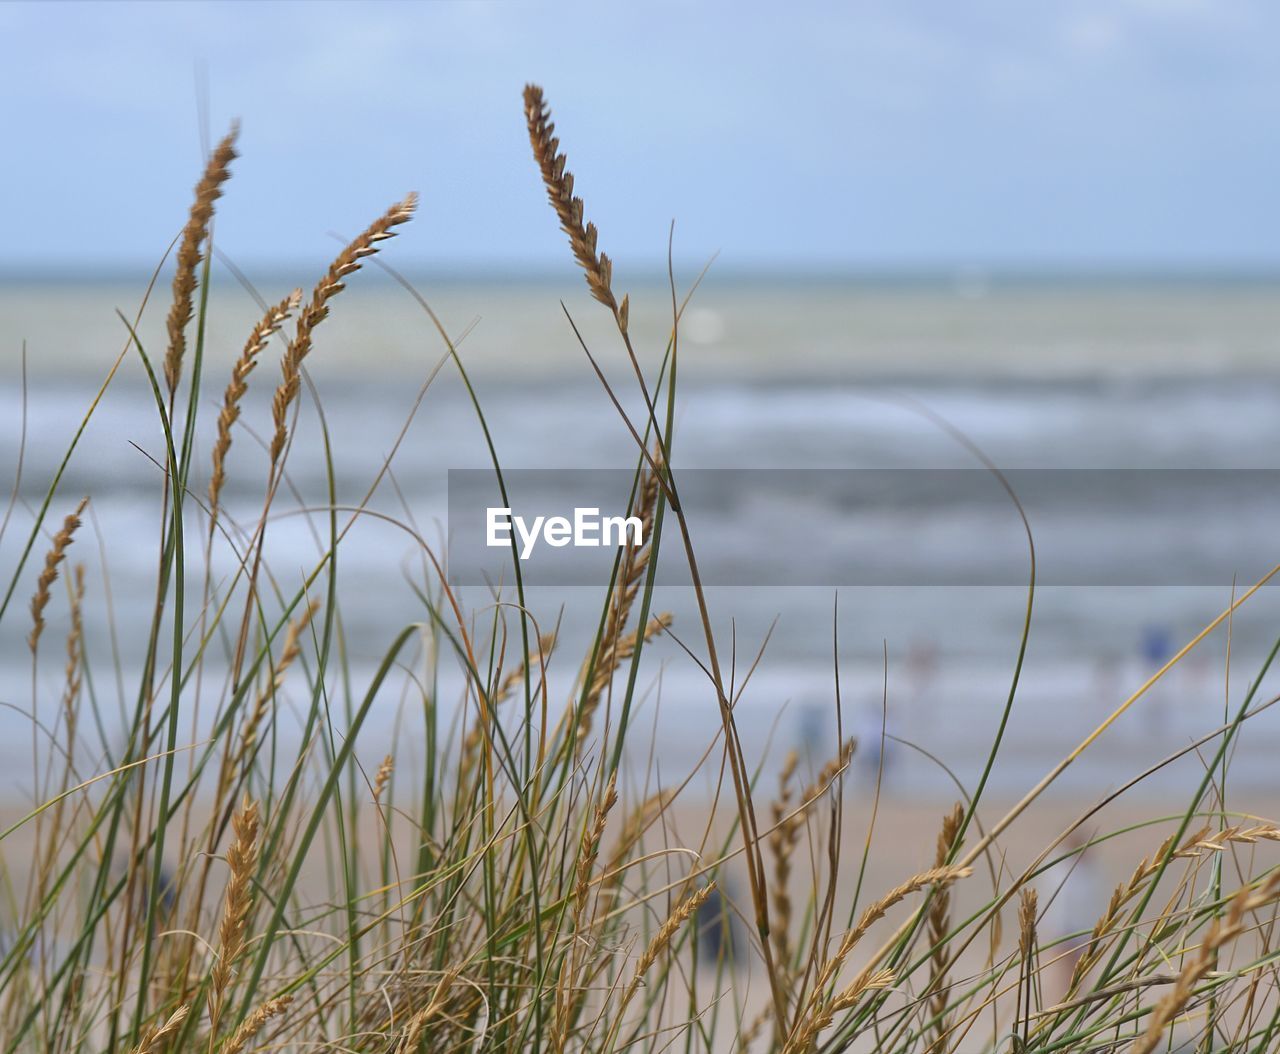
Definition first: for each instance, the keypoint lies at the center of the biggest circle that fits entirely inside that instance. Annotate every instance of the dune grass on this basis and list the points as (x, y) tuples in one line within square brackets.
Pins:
[(521, 889)]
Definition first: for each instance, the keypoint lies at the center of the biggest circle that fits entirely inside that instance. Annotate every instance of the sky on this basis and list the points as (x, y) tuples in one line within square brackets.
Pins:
[(900, 134)]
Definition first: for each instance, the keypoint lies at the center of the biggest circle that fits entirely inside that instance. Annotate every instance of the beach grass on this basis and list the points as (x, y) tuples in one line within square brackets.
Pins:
[(191, 879)]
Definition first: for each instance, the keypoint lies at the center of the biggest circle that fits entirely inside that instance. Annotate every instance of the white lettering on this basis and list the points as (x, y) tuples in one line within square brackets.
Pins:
[(584, 528), (616, 527), (528, 535), (498, 520), (558, 531), (587, 529)]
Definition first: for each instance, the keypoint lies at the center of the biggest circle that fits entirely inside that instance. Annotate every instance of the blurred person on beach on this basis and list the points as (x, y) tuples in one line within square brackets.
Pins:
[(1071, 890), (715, 921), (877, 749), (1155, 648), (1108, 679), (921, 664), (814, 732)]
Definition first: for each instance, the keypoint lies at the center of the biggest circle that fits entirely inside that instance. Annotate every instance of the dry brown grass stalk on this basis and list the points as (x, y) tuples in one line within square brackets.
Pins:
[(1222, 931), (75, 647), (569, 995), (1027, 906), (616, 646), (826, 776), (217, 171), (864, 982), (546, 643), (345, 263), (806, 1036), (413, 1030), (382, 777), (289, 653), (154, 1039), (254, 1023), (619, 651), (1110, 919), (1205, 840), (74, 678), (597, 266), (805, 1030), (782, 846), (939, 922), (475, 736), (242, 858), (44, 584), (633, 828), (635, 561), (239, 384), (590, 849), (683, 912)]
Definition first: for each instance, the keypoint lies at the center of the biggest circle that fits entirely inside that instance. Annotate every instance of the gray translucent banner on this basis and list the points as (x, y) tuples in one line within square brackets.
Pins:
[(881, 527)]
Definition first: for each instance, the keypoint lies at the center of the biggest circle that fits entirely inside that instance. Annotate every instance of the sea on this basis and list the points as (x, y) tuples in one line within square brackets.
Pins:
[(1148, 407)]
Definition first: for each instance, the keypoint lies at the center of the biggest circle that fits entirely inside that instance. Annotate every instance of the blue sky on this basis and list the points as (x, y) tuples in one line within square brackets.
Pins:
[(868, 135)]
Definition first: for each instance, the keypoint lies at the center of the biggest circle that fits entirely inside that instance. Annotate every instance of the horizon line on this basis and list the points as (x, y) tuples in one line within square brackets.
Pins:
[(943, 274)]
